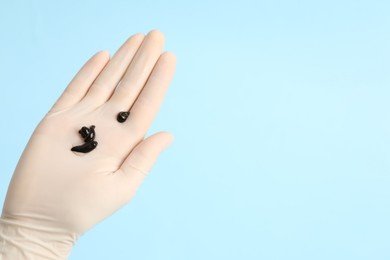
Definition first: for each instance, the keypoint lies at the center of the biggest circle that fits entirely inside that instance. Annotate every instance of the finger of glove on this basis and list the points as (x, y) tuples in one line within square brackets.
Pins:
[(138, 71), (79, 85), (106, 82), (141, 160), (149, 101)]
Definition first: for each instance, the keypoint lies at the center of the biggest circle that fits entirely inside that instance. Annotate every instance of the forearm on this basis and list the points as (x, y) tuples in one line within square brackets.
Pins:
[(25, 241)]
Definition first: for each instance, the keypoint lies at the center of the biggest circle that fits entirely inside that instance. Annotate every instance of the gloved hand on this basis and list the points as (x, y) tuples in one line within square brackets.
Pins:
[(56, 194)]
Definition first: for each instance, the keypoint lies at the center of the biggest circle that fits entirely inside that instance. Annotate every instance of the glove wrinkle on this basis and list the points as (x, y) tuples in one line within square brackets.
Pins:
[(25, 241)]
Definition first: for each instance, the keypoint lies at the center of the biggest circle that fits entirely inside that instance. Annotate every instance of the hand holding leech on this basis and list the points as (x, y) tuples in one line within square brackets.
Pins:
[(57, 194)]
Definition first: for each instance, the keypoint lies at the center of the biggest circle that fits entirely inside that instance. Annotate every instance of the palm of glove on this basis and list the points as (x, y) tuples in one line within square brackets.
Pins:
[(54, 186)]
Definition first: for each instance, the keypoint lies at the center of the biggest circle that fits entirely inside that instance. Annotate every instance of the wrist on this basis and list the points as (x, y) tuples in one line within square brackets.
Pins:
[(21, 240)]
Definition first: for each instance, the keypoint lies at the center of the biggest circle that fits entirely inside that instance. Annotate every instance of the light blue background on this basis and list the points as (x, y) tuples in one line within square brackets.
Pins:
[(280, 111)]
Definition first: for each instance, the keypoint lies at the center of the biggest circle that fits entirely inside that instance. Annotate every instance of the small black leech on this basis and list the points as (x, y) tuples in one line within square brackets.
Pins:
[(88, 133), (122, 116), (89, 136), (86, 147)]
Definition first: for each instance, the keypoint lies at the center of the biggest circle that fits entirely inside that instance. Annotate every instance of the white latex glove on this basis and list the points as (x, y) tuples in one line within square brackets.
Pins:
[(55, 194)]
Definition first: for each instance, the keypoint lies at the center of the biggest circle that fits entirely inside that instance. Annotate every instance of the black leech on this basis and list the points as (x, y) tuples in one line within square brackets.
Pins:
[(86, 147), (122, 116)]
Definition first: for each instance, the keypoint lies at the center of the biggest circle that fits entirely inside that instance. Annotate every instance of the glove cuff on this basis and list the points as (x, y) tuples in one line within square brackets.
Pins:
[(20, 240)]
